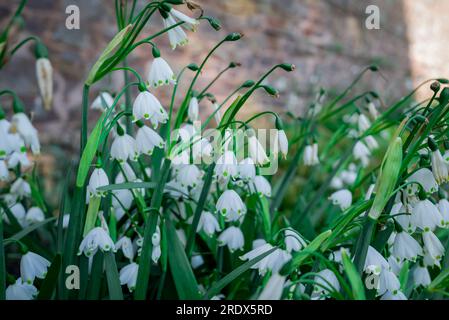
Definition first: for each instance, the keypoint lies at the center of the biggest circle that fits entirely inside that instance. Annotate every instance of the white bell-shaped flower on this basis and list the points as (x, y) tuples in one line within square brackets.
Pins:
[(425, 215), (34, 215), (160, 73), (176, 35), (233, 238), (231, 206), (310, 157), (208, 223), (293, 241), (363, 123), (260, 186), (256, 151), (402, 216), (397, 295), (147, 139), (423, 177), (44, 73), (362, 153), (325, 282), (406, 247), (103, 102), (375, 262), (342, 198), (193, 111), (97, 180), (274, 288), (246, 170), (421, 276), (21, 188), (128, 275), (147, 106), (189, 176), (388, 282), (189, 23), (26, 130), (97, 238), (126, 245), (440, 168), (21, 291), (4, 172), (126, 174), (226, 166), (433, 245), (124, 148), (33, 266), (443, 207)]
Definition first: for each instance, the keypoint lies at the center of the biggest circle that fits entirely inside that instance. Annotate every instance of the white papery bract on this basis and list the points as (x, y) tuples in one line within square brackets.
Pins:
[(443, 207), (26, 130), (34, 215), (274, 287), (342, 198), (126, 245), (231, 206), (326, 283), (260, 186), (425, 216), (425, 178), (176, 35), (233, 238), (97, 180), (128, 275), (193, 111), (432, 245), (124, 148), (97, 238), (208, 223), (147, 139), (293, 241), (439, 167), (362, 153), (147, 106), (21, 291), (256, 151), (103, 102), (406, 247), (421, 276), (160, 73), (374, 262), (33, 266)]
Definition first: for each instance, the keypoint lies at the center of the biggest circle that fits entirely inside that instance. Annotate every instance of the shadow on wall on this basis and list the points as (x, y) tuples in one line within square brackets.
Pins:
[(326, 40)]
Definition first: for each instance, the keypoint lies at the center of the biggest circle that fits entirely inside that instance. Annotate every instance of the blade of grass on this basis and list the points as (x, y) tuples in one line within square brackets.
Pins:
[(51, 279), (358, 290), (112, 277)]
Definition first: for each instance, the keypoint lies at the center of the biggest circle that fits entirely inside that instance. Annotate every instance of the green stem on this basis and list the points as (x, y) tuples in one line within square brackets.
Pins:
[(363, 243), (84, 117), (128, 107), (2, 264)]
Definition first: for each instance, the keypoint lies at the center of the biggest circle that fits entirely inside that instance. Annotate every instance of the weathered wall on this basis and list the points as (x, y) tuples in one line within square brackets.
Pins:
[(327, 41)]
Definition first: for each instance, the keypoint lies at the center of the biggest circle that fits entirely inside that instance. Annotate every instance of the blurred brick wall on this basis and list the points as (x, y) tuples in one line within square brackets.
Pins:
[(327, 41)]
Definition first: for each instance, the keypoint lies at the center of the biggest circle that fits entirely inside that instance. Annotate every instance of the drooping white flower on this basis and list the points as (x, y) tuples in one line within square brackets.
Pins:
[(193, 111), (128, 275), (363, 123), (226, 166), (147, 139), (126, 174), (274, 287), (425, 178), (103, 102), (21, 291), (342, 198), (233, 238), (189, 23), (26, 130), (201, 149), (21, 188), (260, 186), (124, 147), (397, 295), (246, 170), (231, 206), (325, 282), (429, 261), (160, 73), (372, 109), (97, 238), (18, 211), (371, 143), (374, 262), (433, 245), (4, 172), (189, 176), (217, 113), (272, 262), (421, 276), (311, 155), (97, 180), (208, 223), (281, 143), (388, 282), (425, 216), (406, 247), (256, 151), (122, 198), (443, 207), (44, 72), (440, 168), (293, 241), (33, 266), (362, 153), (126, 245), (147, 106), (395, 264), (402, 216), (34, 215), (176, 35)]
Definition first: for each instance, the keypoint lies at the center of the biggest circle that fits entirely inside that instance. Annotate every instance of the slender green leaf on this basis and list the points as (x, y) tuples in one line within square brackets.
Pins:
[(128, 186), (23, 233), (358, 290), (112, 276), (51, 279)]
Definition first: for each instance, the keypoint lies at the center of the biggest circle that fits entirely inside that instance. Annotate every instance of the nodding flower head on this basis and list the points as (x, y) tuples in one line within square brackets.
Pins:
[(97, 238), (231, 206), (147, 106), (160, 73)]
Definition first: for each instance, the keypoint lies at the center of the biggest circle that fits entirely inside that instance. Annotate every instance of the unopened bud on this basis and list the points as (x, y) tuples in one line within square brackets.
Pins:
[(193, 67), (435, 86), (287, 66), (248, 84), (234, 36)]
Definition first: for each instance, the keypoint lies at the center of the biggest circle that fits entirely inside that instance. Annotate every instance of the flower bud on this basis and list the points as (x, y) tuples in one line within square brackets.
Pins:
[(234, 65), (248, 84), (374, 68), (44, 73), (388, 176), (435, 86), (156, 53), (444, 96), (233, 36), (175, 2), (271, 91), (193, 67), (287, 67), (214, 22), (443, 81)]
